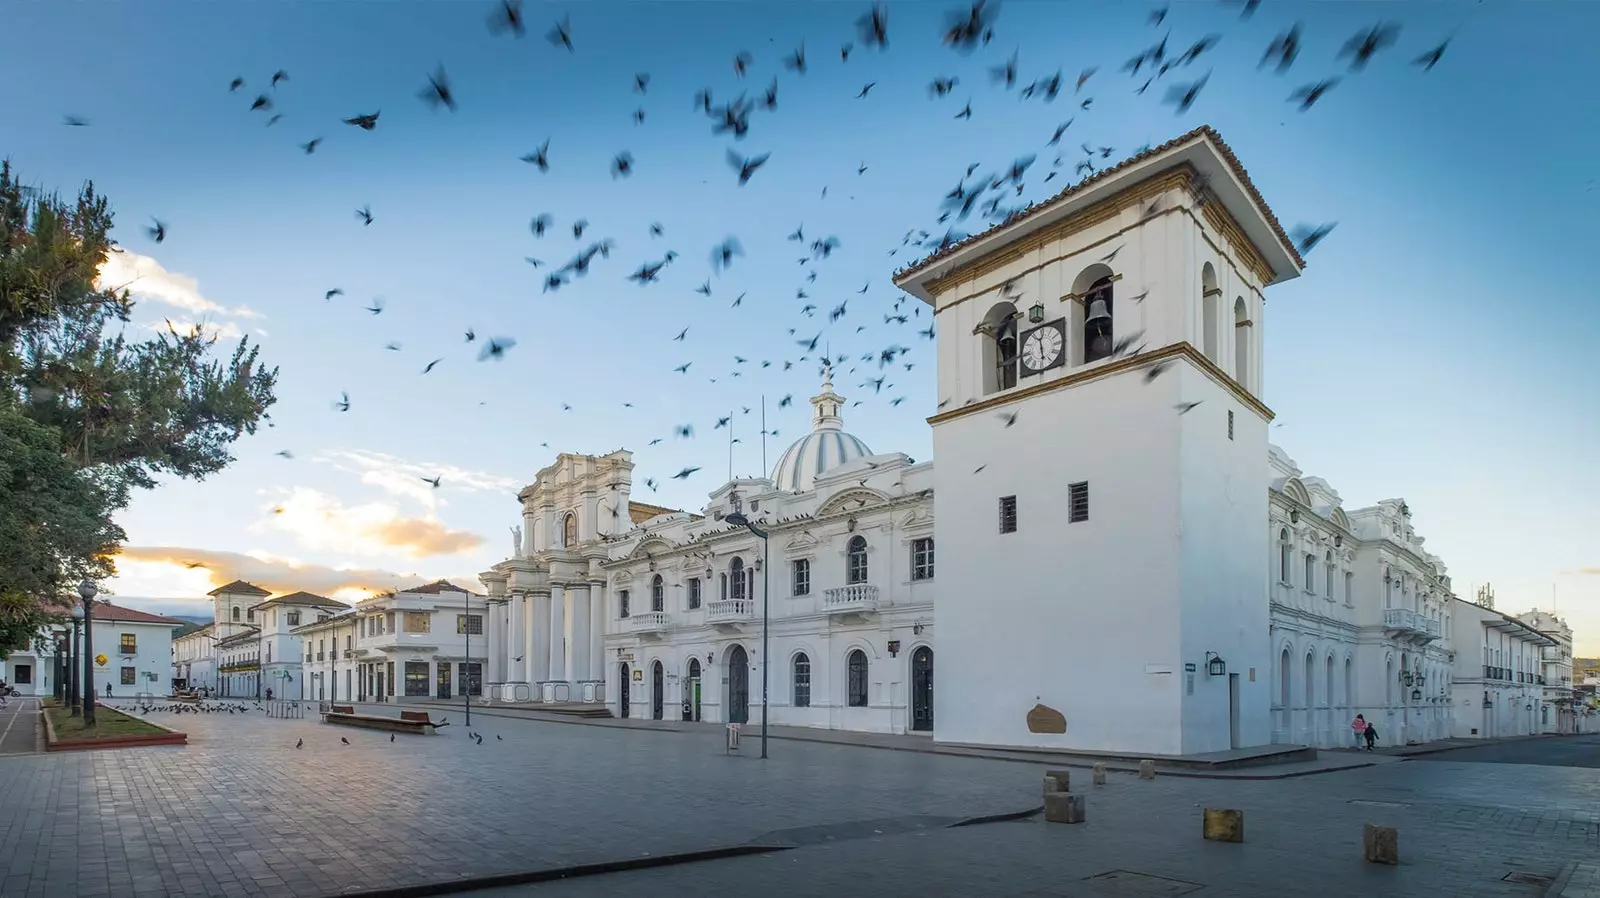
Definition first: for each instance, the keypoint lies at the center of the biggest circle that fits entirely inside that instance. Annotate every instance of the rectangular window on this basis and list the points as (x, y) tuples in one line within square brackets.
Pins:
[(694, 593), (1008, 514), (416, 678), (857, 697), (127, 676), (347, 638), (922, 558), (471, 624), (1078, 502), (622, 603), (389, 675), (802, 577), (129, 644), (293, 618), (417, 621), (250, 614), (1230, 423), (1311, 573), (24, 674)]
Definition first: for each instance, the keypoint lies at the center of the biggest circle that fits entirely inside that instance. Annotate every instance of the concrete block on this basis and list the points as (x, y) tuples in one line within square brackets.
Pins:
[(1223, 825), (1147, 770), (1061, 778), (1380, 844), (1099, 774), (1063, 807), (1051, 784)]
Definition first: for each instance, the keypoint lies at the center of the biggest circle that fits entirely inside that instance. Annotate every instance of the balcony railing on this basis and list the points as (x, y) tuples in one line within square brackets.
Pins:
[(852, 599), (649, 622), (730, 611), (1411, 624)]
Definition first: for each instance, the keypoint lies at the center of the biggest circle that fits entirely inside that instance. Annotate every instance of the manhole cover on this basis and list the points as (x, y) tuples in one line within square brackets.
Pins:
[(1528, 879), (1377, 804)]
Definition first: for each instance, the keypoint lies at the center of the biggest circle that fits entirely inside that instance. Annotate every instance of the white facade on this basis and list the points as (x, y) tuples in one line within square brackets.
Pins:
[(330, 668), (1129, 551), (1556, 713), (1360, 619), (194, 658), (281, 650), (1497, 669), (239, 666), (426, 642)]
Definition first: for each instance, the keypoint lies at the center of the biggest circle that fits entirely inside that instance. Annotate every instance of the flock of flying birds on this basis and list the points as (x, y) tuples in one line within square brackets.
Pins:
[(993, 197)]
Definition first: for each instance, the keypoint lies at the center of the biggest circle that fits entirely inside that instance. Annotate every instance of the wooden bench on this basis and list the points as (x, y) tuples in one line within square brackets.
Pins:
[(407, 722)]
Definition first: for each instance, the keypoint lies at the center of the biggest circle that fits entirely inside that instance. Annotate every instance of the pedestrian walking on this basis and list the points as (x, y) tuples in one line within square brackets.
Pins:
[(1372, 735), (1359, 728)]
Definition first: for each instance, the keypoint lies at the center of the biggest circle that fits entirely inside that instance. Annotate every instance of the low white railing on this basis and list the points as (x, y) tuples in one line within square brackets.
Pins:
[(858, 597), (648, 621), (730, 610)]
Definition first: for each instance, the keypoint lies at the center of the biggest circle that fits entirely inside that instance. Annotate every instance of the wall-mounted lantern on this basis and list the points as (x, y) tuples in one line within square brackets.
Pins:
[(1215, 666), (1406, 678), (894, 647), (1416, 695), (1036, 313)]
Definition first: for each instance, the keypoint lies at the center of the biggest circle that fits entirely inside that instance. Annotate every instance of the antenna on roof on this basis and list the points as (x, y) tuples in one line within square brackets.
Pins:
[(730, 445), (764, 468)]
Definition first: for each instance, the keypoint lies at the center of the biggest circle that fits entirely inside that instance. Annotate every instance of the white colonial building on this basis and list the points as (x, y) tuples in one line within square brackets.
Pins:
[(1129, 565), (131, 651), (280, 618), (1556, 707), (194, 659), (419, 643), (1498, 665)]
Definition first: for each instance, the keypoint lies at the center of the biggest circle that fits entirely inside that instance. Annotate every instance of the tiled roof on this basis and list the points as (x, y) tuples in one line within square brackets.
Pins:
[(108, 612), (242, 636), (437, 587), (239, 588), (1033, 209), (304, 598)]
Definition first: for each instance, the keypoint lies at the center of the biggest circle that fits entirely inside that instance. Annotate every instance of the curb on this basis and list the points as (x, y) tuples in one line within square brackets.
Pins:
[(932, 749), (52, 744), (1555, 888), (551, 874)]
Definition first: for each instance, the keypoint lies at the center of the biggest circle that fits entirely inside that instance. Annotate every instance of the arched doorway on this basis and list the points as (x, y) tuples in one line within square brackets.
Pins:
[(922, 690), (691, 691), (622, 690), (738, 686), (658, 686)]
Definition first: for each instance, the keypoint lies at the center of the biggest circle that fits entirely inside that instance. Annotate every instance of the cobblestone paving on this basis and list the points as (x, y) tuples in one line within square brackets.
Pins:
[(1463, 828), (1560, 751), (241, 811)]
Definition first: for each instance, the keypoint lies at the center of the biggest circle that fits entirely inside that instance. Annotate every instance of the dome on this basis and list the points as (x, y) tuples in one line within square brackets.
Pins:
[(827, 446)]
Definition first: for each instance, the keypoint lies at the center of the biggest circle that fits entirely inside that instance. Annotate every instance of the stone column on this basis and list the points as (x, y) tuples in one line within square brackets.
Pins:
[(491, 636), (516, 616), (558, 632), (598, 614), (536, 654), (578, 634), (528, 548)]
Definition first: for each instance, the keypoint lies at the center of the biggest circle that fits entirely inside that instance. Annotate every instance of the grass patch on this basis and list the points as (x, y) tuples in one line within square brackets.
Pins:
[(109, 724)]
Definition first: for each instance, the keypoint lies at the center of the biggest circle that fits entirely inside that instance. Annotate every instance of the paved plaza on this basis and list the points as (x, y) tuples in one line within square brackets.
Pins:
[(241, 811)]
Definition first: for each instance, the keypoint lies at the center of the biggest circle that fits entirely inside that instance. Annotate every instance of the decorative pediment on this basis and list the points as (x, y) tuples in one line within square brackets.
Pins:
[(622, 578), (1294, 489), (1341, 519), (918, 517), (850, 500), (802, 540), (650, 546)]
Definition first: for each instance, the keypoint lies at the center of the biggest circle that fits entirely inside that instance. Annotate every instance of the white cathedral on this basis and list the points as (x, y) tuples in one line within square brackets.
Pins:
[(1127, 564)]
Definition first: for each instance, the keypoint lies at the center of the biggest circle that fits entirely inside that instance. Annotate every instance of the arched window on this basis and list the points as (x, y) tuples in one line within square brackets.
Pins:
[(1327, 564), (723, 586), (1241, 343), (1311, 572), (569, 531), (1209, 294), (999, 335), (1283, 679), (857, 665), (1097, 318), (1283, 555), (1310, 682), (236, 612), (802, 681), (855, 561), (658, 594), (736, 579)]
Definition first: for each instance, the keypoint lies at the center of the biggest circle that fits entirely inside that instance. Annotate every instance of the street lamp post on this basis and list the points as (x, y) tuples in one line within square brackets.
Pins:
[(738, 519), (466, 666), (87, 591), (74, 652)]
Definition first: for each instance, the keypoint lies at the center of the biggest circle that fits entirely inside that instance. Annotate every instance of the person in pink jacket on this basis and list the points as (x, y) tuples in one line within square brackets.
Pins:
[(1359, 727)]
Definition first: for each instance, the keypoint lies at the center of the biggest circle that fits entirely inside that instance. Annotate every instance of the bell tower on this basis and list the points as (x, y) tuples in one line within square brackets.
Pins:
[(1101, 462)]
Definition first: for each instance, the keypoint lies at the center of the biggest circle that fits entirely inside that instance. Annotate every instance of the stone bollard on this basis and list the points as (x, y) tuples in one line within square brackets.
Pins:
[(1380, 844), (1223, 825), (1063, 807), (1147, 770), (1051, 785), (1061, 778), (1099, 774)]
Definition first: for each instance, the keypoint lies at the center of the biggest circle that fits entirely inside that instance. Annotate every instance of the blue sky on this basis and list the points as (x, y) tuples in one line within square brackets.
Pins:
[(1438, 347)]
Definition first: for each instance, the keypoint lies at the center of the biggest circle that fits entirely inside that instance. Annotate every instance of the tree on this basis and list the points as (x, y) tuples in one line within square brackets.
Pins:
[(55, 526), (120, 411)]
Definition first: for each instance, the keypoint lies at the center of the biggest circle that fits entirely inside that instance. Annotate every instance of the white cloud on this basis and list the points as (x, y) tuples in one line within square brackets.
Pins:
[(225, 330), (181, 577), (147, 279), (322, 522), (401, 477)]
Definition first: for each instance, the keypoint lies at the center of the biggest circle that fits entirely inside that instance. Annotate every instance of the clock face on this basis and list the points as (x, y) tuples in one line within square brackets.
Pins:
[(1042, 348)]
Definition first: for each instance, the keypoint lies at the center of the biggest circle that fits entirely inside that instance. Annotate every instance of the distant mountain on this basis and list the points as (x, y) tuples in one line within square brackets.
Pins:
[(200, 619)]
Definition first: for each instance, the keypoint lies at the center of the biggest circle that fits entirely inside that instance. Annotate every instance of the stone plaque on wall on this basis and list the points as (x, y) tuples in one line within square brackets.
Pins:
[(1044, 719)]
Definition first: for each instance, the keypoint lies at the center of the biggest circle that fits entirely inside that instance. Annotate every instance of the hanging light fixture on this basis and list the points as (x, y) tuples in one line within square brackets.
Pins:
[(1036, 312), (1215, 666)]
